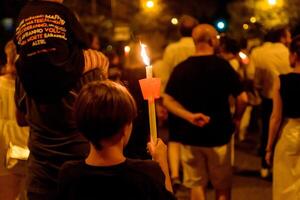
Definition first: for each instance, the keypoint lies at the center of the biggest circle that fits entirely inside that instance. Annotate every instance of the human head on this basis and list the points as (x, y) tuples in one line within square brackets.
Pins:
[(11, 57), (279, 34), (103, 111), (205, 34), (95, 42), (295, 51), (230, 45), (187, 24)]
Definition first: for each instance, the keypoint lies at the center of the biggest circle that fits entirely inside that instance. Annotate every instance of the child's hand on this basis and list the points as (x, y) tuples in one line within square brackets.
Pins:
[(158, 151)]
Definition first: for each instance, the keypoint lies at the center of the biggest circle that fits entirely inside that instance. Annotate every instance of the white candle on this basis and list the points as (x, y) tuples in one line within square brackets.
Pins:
[(151, 100)]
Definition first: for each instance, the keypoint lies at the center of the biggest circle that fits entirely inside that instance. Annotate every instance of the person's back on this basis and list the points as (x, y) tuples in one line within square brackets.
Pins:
[(205, 82), (269, 61), (53, 139), (51, 44), (290, 94), (178, 51), (104, 112), (132, 179)]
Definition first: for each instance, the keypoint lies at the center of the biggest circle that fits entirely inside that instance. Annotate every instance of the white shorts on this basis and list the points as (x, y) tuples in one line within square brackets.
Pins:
[(201, 164)]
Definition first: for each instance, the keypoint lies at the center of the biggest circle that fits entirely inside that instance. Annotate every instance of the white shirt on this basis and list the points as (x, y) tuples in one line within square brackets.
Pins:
[(10, 132), (174, 54), (267, 62)]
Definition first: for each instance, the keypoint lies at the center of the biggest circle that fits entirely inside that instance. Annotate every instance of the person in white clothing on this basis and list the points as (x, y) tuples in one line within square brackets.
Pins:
[(12, 175), (268, 61), (174, 54), (284, 131)]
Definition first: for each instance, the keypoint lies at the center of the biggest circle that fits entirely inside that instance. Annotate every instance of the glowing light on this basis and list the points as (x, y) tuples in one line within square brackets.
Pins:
[(244, 58), (144, 55), (245, 26), (221, 25), (149, 4), (109, 48), (174, 21), (242, 55), (272, 2), (253, 20), (127, 49), (218, 37)]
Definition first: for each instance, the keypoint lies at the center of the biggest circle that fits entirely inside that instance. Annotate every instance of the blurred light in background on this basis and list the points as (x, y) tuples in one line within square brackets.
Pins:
[(244, 58), (109, 48), (272, 2), (245, 26), (149, 4), (174, 21), (127, 50), (7, 24), (221, 25), (253, 20)]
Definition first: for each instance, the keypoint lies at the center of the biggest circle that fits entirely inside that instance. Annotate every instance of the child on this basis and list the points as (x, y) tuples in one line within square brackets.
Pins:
[(51, 44), (104, 112)]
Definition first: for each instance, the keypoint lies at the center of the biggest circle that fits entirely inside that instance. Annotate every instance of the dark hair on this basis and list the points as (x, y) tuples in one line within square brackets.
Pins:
[(187, 24), (230, 45), (102, 109), (275, 34), (295, 45)]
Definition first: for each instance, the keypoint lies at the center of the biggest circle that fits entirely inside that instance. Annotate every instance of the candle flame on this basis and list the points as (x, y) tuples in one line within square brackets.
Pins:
[(244, 58), (144, 55), (242, 55)]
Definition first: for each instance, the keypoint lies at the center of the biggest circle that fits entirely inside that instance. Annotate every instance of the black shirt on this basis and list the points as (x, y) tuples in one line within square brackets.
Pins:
[(53, 138), (132, 179), (136, 147), (203, 84), (290, 94), (50, 42)]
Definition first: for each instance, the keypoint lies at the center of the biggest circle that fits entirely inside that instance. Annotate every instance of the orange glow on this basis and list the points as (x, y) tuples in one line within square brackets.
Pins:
[(127, 49)]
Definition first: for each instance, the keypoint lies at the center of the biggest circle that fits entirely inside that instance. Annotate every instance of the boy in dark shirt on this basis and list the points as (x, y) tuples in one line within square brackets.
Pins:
[(104, 112), (54, 50)]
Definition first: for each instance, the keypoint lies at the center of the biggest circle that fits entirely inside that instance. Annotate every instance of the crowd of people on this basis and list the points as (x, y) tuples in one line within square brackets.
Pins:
[(74, 125)]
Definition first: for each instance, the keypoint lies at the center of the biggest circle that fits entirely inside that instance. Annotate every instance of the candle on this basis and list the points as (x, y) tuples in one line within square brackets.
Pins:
[(150, 98)]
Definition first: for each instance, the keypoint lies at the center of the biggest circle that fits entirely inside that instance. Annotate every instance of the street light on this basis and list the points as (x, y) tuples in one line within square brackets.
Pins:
[(174, 21), (245, 26), (149, 4), (253, 20), (221, 25), (272, 2)]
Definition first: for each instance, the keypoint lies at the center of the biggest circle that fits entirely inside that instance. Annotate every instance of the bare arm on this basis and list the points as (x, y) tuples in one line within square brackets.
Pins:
[(240, 105), (275, 120), (176, 108)]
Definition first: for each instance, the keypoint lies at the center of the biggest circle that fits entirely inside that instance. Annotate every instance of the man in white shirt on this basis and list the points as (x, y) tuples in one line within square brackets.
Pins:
[(268, 61), (174, 54)]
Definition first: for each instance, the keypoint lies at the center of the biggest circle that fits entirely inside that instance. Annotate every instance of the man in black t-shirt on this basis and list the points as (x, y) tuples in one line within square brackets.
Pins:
[(197, 94), (104, 112)]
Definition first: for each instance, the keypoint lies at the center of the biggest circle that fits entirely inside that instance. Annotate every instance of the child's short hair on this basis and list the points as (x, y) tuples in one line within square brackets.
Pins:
[(102, 109)]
